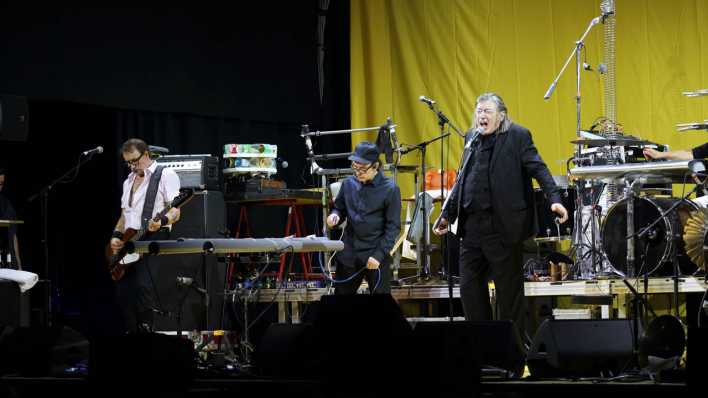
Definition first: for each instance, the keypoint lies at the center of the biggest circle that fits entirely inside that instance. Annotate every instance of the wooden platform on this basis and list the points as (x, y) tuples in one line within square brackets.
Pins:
[(605, 287)]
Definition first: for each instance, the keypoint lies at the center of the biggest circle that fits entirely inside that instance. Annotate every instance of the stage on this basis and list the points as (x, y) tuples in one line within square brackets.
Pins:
[(213, 387)]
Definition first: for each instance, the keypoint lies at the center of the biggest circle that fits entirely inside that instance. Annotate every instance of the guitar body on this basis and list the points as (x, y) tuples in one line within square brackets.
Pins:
[(118, 261)]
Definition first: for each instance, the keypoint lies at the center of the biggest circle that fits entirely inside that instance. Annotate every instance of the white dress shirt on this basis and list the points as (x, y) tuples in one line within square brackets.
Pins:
[(168, 189)]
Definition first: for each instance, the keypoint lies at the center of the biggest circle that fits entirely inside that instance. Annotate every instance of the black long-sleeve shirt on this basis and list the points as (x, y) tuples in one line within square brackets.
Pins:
[(373, 214)]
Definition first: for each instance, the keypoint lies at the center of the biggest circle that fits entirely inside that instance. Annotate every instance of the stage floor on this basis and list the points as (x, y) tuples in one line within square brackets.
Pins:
[(212, 387)]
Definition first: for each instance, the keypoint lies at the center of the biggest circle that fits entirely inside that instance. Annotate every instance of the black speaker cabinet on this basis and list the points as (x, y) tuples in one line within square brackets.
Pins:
[(41, 351), (14, 117), (189, 307), (198, 306), (459, 350), (15, 308), (363, 333), (289, 351), (581, 348), (204, 216), (142, 362), (697, 357)]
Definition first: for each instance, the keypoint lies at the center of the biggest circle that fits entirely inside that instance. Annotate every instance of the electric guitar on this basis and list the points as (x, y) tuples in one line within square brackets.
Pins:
[(118, 261)]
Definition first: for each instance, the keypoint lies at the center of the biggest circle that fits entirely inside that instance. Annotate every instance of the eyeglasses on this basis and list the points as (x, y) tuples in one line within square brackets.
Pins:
[(134, 162), (487, 111), (360, 169)]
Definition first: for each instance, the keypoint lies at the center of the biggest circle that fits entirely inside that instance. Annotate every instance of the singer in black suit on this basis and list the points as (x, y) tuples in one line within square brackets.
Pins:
[(494, 204)]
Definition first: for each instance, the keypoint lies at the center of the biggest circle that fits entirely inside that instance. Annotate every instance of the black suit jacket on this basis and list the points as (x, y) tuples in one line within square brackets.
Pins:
[(514, 162)]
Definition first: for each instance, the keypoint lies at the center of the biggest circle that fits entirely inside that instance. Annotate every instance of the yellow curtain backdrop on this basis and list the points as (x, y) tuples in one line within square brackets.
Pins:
[(454, 50)]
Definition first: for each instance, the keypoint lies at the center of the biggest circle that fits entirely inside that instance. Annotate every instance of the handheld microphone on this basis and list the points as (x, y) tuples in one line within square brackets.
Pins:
[(98, 149), (475, 134), (427, 100)]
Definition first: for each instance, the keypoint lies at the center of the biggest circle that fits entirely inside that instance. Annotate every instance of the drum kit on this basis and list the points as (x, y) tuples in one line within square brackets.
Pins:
[(626, 221)]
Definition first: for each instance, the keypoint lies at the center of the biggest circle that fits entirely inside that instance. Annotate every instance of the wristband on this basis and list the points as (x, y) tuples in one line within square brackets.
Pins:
[(164, 221), (117, 235)]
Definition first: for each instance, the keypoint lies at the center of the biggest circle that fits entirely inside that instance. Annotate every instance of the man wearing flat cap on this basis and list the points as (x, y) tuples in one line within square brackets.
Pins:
[(371, 205)]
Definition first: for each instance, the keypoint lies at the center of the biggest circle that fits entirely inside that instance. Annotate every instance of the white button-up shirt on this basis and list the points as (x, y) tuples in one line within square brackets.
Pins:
[(168, 189)]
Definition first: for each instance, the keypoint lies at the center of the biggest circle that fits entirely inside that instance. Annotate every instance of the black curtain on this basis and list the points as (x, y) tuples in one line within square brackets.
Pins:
[(188, 80)]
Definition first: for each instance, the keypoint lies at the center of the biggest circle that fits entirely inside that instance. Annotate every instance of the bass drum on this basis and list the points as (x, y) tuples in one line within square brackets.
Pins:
[(653, 252)]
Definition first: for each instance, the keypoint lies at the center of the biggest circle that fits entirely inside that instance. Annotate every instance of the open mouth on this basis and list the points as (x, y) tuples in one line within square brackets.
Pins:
[(484, 124)]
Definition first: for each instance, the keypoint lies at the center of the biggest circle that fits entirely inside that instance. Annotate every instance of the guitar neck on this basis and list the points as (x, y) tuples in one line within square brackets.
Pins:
[(159, 215), (145, 231), (178, 202)]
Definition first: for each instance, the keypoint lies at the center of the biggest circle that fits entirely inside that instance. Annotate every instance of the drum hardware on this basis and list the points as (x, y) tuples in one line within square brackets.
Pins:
[(693, 126), (612, 142), (659, 171), (587, 249), (673, 237), (697, 93)]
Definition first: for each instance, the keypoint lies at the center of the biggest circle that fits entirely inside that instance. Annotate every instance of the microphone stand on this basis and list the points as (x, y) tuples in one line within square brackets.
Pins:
[(674, 247), (578, 67), (43, 196), (424, 252), (445, 269), (191, 285)]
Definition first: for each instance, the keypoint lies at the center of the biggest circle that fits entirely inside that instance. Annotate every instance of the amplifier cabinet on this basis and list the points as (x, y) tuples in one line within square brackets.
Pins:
[(194, 171)]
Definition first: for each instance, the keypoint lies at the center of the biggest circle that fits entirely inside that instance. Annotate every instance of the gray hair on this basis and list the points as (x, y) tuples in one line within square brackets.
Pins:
[(501, 107)]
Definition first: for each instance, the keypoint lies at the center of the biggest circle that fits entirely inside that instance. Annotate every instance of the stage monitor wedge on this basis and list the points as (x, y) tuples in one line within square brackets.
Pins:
[(581, 348)]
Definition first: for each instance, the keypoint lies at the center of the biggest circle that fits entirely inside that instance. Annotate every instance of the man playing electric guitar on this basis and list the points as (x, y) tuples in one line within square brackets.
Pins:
[(146, 194)]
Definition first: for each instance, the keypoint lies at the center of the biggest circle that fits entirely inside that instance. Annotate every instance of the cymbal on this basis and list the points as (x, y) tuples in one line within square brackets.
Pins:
[(549, 239), (619, 141)]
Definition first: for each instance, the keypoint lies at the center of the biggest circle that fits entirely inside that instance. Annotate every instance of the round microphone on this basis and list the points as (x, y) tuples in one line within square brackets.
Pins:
[(282, 163), (98, 149), (184, 281), (427, 100)]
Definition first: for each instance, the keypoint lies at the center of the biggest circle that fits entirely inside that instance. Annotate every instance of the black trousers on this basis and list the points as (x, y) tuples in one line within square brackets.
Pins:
[(379, 282), (136, 290), (484, 256)]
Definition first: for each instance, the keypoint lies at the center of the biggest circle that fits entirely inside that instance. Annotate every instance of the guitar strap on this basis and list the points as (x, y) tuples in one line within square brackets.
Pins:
[(150, 196)]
